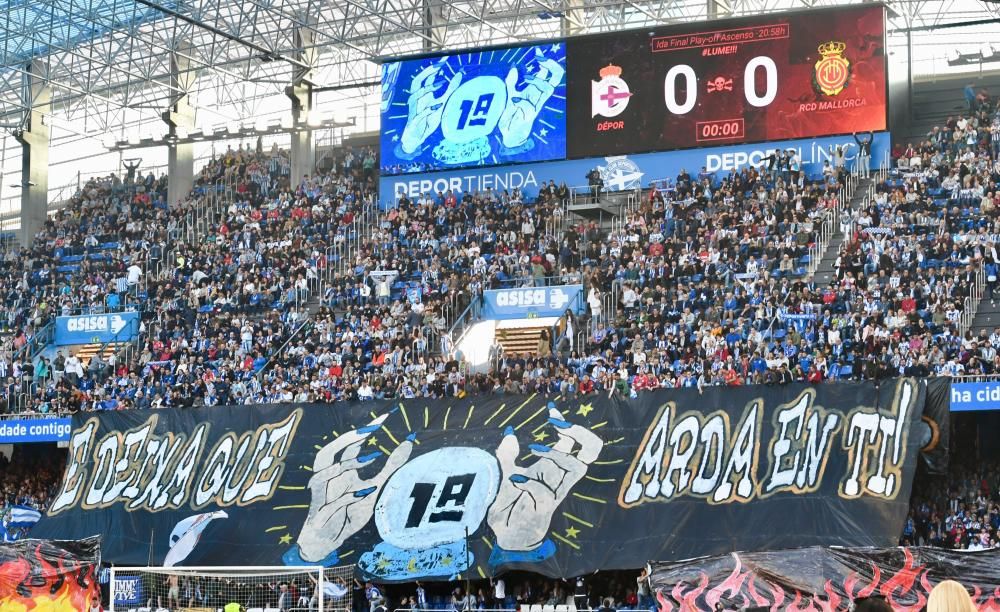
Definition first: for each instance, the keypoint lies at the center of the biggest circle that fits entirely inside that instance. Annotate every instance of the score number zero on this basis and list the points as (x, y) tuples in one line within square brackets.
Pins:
[(761, 62)]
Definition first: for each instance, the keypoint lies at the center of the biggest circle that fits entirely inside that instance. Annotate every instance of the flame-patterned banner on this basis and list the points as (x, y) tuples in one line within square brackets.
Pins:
[(48, 576), (819, 579)]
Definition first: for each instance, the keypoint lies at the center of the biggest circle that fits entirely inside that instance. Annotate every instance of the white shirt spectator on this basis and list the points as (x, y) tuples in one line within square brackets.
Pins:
[(134, 274)]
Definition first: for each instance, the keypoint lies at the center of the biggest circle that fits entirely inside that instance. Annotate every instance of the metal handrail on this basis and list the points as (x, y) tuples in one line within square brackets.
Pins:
[(471, 311), (976, 378), (40, 340), (283, 346), (114, 339)]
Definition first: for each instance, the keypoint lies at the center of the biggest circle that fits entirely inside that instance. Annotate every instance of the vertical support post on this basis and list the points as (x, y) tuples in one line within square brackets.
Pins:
[(435, 25), (180, 120), (303, 151), (321, 586), (36, 95), (718, 8), (572, 21)]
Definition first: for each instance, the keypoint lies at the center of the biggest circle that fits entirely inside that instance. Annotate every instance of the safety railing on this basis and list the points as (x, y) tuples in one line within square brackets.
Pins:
[(828, 226), (304, 326), (123, 350), (464, 321), (970, 304), (966, 378), (36, 344)]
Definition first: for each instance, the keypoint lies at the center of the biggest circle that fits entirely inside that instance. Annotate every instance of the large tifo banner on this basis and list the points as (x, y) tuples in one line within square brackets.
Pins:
[(531, 302), (49, 576), (475, 486), (97, 329), (818, 579), (626, 172)]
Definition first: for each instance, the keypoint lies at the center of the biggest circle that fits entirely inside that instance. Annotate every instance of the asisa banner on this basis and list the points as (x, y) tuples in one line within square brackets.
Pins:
[(818, 579), (49, 576), (558, 486)]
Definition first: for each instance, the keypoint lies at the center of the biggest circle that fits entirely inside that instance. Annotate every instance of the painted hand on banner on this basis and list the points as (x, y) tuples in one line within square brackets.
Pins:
[(342, 501), (524, 105), (425, 108), (529, 495)]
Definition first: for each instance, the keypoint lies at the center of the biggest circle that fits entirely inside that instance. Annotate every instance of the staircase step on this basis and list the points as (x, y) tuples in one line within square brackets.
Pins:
[(520, 340), (825, 271)]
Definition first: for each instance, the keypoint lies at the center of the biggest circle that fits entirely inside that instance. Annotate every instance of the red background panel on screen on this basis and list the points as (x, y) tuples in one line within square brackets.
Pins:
[(777, 77)]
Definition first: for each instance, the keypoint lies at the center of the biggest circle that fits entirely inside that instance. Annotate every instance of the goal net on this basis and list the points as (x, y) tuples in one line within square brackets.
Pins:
[(211, 589)]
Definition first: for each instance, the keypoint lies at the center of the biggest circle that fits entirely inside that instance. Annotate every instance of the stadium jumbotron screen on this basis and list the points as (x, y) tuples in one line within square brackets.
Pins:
[(487, 107), (767, 78)]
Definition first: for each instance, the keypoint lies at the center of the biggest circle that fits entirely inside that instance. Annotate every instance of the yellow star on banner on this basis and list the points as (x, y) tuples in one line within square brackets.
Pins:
[(412, 565), (383, 563), (572, 532), (285, 539), (585, 409), (446, 561), (540, 436), (372, 441)]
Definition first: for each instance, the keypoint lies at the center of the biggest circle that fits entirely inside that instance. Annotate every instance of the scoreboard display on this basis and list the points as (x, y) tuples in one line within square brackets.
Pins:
[(777, 77), (773, 77)]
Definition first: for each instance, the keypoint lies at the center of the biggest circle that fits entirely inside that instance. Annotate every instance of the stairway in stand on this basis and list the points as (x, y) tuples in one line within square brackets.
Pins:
[(825, 271), (86, 352), (519, 340), (987, 316)]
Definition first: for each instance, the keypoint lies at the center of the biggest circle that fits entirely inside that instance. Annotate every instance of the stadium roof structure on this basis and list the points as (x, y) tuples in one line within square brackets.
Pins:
[(109, 59)]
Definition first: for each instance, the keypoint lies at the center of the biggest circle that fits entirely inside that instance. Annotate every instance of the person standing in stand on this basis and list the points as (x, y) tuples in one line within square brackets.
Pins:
[(864, 160), (643, 589), (374, 596), (499, 593), (580, 594), (421, 598)]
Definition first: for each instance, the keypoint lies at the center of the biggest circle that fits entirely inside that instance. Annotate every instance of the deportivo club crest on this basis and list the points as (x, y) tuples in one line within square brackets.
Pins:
[(610, 96), (833, 70)]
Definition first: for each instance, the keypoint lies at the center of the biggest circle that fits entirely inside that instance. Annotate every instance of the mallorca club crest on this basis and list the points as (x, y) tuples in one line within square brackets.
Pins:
[(833, 71), (610, 95)]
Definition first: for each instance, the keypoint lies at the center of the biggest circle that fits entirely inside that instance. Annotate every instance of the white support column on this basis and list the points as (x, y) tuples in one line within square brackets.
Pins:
[(435, 25), (180, 119), (34, 139), (574, 18), (303, 150), (719, 8)]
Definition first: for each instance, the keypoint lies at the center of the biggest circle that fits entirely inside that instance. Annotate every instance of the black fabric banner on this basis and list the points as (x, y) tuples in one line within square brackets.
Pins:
[(824, 579), (936, 439), (557, 486), (49, 576)]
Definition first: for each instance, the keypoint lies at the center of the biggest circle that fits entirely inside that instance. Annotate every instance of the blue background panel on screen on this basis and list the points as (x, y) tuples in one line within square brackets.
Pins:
[(496, 106)]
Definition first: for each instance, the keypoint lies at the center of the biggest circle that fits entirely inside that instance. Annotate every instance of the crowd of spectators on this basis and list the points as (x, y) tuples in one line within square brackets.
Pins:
[(711, 288), (959, 510), (282, 294), (26, 480), (606, 590)]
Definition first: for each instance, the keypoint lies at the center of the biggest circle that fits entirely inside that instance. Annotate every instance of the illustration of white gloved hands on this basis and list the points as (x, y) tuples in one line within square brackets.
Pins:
[(524, 105), (529, 495), (424, 107), (342, 501)]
